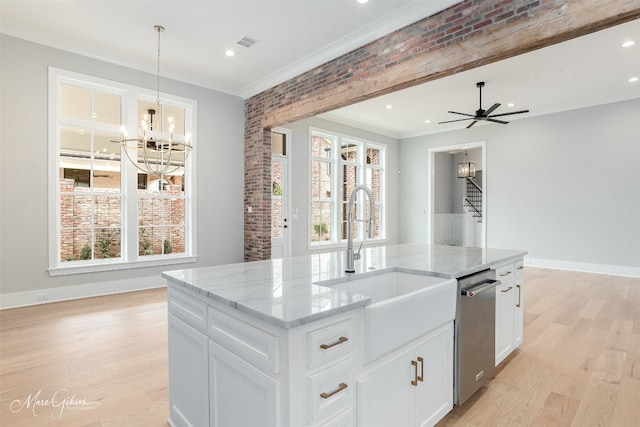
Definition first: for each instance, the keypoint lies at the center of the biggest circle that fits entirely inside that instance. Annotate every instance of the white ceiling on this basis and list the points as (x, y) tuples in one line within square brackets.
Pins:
[(293, 35), (297, 35)]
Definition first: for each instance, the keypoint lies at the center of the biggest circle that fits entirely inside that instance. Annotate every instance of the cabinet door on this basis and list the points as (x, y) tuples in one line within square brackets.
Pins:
[(505, 307), (241, 395), (434, 394), (386, 396), (189, 387), (518, 334)]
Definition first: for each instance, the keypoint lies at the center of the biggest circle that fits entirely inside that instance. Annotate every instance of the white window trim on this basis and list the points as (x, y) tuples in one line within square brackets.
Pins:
[(362, 143), (130, 258)]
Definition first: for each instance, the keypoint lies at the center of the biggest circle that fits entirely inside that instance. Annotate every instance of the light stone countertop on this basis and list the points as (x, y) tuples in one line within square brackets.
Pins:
[(290, 292)]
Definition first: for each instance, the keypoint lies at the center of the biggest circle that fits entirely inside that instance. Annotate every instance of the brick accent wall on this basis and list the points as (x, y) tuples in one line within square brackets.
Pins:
[(402, 59)]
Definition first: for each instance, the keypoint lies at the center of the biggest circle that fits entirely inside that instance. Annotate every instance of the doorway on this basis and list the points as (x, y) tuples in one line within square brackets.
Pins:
[(457, 204), (280, 223)]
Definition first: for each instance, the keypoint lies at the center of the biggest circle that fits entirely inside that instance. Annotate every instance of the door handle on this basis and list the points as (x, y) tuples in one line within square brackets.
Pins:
[(519, 293), (421, 361)]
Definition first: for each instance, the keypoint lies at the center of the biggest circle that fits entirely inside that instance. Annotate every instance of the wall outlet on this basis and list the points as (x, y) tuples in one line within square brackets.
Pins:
[(42, 297)]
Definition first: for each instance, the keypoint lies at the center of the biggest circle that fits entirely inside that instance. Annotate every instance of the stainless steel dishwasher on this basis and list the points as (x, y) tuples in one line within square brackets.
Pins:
[(474, 333)]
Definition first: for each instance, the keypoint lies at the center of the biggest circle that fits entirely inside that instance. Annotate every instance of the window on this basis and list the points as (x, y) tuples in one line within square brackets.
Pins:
[(108, 214), (339, 164)]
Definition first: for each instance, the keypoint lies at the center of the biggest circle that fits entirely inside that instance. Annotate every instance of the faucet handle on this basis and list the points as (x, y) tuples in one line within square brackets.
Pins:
[(357, 254)]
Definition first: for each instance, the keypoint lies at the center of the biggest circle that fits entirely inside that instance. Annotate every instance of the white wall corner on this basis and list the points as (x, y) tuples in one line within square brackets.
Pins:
[(43, 296), (613, 270)]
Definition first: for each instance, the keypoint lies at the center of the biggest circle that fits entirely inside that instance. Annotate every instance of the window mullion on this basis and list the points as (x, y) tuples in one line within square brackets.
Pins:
[(129, 183)]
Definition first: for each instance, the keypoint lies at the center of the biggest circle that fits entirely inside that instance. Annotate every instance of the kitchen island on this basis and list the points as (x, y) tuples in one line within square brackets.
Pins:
[(285, 343)]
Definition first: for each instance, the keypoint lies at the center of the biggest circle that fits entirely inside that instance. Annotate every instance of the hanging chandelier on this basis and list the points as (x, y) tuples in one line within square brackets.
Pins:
[(466, 169), (158, 152)]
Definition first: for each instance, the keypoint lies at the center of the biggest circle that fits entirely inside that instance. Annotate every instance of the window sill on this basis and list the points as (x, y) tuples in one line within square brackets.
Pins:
[(343, 245), (120, 265)]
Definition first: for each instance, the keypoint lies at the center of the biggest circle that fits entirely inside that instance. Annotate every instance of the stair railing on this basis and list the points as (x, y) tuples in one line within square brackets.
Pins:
[(474, 197)]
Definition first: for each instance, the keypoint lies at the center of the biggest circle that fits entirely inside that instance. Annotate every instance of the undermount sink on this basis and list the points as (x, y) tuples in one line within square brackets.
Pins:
[(403, 307)]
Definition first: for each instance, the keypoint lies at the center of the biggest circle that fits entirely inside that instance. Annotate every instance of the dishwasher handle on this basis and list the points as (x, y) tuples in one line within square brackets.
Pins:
[(480, 287)]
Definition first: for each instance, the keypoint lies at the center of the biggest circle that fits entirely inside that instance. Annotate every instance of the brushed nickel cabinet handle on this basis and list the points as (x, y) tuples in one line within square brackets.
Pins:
[(520, 267), (421, 361), (519, 292), (341, 387), (507, 290), (414, 381), (340, 341), (506, 273)]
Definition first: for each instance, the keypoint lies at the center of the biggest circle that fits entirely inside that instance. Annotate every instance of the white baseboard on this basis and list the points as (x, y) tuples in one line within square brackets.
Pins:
[(614, 270), (43, 296)]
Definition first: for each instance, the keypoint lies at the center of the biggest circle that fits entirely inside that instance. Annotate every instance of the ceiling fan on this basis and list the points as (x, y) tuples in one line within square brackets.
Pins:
[(483, 115)]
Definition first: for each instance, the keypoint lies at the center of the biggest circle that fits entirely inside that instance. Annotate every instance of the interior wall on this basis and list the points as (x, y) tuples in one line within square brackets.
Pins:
[(443, 191), (561, 186), (299, 170), (23, 167)]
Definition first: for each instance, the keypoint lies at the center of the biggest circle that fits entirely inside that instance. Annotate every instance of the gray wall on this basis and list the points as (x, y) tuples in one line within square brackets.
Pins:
[(562, 186), (23, 167), (444, 175), (299, 168)]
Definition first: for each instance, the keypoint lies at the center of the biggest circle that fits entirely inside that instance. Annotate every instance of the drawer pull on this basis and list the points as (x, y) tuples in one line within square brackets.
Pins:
[(341, 387), (507, 290), (340, 341), (519, 292), (421, 361), (414, 381), (520, 267), (506, 273)]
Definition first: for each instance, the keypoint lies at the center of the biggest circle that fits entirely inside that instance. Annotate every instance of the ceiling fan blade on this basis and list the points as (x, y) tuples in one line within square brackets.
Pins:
[(493, 107), (496, 121), (462, 114), (472, 123), (457, 120), (508, 114)]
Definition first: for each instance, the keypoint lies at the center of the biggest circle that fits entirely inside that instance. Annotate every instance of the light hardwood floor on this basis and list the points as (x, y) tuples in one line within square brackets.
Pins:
[(579, 364)]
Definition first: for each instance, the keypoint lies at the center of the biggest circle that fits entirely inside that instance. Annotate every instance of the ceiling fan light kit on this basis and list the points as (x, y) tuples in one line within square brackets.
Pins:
[(481, 114)]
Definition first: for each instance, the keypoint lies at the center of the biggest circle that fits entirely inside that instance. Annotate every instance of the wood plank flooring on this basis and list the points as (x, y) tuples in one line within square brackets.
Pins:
[(111, 350), (103, 361), (579, 363)]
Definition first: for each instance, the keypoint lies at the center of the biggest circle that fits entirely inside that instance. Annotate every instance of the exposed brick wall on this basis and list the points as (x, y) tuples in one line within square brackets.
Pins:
[(418, 43)]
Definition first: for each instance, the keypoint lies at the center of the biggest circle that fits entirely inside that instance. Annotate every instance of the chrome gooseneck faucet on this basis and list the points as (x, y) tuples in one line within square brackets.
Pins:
[(351, 257)]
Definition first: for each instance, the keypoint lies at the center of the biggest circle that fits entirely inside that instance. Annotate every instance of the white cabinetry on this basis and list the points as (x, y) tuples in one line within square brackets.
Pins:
[(413, 388), (229, 369), (241, 395), (509, 309), (189, 391)]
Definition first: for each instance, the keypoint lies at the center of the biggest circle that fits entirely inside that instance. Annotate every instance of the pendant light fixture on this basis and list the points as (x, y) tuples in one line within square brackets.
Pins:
[(466, 169), (159, 152)]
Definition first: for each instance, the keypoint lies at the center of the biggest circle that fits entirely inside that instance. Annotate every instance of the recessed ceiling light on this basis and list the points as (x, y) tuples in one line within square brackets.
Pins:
[(633, 79), (229, 52), (511, 104), (362, 1), (427, 121), (389, 106), (628, 43)]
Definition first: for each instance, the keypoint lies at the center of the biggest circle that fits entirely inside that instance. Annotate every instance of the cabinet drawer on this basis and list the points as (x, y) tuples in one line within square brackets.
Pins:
[(505, 272), (519, 266), (330, 391), (329, 343), (345, 419), (253, 345), (187, 309)]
